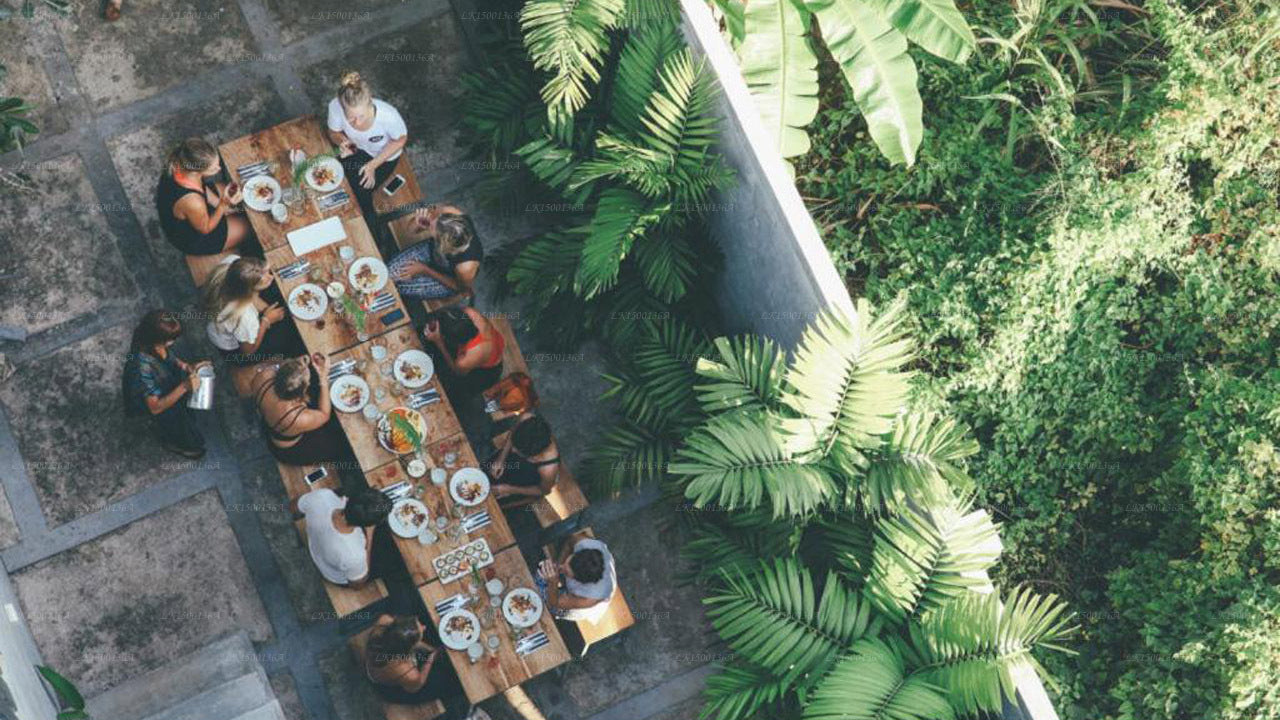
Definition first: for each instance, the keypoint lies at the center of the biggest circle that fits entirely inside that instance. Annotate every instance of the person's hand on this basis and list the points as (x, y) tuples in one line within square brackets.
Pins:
[(320, 362), (231, 194), (496, 468), (273, 314), (423, 217), (548, 571), (193, 382), (432, 331), (346, 148), (412, 268), (367, 174)]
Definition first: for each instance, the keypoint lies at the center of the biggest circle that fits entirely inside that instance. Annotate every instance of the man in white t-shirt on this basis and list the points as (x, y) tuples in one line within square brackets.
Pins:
[(340, 532), (590, 580)]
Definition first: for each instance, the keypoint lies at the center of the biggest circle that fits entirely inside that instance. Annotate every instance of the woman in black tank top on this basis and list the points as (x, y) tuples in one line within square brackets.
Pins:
[(527, 466), (201, 225), (304, 432)]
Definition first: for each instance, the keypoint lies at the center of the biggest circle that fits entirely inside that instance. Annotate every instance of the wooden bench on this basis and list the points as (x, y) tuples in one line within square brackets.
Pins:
[(392, 711), (201, 265), (616, 619), (512, 359), (345, 600), (408, 193)]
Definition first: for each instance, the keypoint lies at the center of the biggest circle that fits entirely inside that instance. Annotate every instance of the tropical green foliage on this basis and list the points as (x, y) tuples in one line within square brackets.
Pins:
[(868, 41), (70, 701), (1087, 247), (838, 602)]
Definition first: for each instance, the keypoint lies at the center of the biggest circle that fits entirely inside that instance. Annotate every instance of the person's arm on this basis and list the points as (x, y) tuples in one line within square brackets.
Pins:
[(195, 210), (413, 680), (272, 315), (342, 142), (320, 362), (499, 464), (157, 404)]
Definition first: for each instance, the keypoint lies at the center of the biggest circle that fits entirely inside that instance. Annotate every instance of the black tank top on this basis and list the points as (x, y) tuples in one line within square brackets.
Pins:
[(179, 232)]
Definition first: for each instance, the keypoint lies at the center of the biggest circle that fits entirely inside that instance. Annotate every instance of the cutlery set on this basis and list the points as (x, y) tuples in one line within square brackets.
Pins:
[(340, 369), (293, 270), (451, 603), (533, 642), (430, 396), (382, 301), (475, 521), (253, 170), (399, 490)]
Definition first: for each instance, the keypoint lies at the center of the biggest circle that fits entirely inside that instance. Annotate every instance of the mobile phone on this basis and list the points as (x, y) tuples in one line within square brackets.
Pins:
[(392, 317), (394, 185), (316, 475)]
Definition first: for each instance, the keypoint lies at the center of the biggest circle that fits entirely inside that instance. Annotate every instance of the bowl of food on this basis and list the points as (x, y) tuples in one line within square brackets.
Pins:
[(414, 368), (407, 518), (349, 393), (469, 486), (308, 301), (522, 607), (368, 275), (459, 629), (325, 175), (261, 192), (402, 430)]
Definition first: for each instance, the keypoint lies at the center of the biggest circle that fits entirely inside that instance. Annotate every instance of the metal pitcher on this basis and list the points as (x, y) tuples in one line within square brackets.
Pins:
[(202, 398)]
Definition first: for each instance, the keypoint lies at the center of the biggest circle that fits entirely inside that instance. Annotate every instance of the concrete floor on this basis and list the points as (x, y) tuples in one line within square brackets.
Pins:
[(125, 558)]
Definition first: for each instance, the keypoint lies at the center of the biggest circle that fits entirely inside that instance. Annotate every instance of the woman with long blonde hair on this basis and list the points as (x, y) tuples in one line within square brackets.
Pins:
[(246, 326), (370, 136), (446, 263), (197, 213)]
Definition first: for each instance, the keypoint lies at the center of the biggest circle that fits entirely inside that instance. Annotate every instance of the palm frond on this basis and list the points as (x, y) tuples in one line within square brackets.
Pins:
[(924, 559), (772, 616), (667, 264), (747, 375), (845, 385), (871, 683), (568, 38), (739, 460), (554, 164), (640, 72), (628, 455), (739, 690), (977, 647), (502, 108), (846, 544), (654, 386), (717, 547), (918, 463), (621, 217)]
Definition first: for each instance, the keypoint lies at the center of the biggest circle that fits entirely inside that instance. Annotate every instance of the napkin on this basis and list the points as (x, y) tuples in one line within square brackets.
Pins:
[(316, 235)]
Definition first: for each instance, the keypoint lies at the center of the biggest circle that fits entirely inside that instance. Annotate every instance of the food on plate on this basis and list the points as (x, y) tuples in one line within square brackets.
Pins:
[(351, 395), (411, 371), (522, 604), (411, 515), (307, 299), (402, 430), (366, 276), (460, 625), (263, 192), (470, 490), (323, 175)]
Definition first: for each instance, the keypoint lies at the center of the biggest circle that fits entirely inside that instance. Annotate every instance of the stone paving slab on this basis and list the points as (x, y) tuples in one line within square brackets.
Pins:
[(416, 70), (20, 52), (155, 46), (58, 259), (687, 710), (671, 635), (139, 156), (130, 601), (298, 19), (286, 691), (350, 693), (9, 535), (80, 451)]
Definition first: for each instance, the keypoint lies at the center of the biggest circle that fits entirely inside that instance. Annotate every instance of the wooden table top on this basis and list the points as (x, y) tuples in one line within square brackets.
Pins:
[(493, 673), (439, 503), (362, 432), (273, 145), (334, 333)]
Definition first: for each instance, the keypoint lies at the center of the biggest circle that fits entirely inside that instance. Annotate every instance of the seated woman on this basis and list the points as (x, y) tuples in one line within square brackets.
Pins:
[(467, 349), (249, 324), (527, 466), (156, 381), (347, 537), (446, 263), (194, 211), (406, 665), (369, 134), (297, 414)]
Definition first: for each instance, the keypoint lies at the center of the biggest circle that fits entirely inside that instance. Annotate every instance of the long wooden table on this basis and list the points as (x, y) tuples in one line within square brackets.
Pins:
[(495, 672), (504, 670)]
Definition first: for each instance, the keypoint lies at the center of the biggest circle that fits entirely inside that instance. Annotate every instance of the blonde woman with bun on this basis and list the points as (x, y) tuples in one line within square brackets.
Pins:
[(369, 134)]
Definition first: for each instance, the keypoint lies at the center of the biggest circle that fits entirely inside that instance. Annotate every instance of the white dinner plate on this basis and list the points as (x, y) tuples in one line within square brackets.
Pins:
[(401, 518), (308, 301), (368, 275), (462, 636), (522, 618), (414, 368), (255, 192), (325, 175), (349, 393), (466, 478)]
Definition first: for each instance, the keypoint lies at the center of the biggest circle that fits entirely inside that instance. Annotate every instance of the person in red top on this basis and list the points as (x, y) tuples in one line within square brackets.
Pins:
[(467, 349)]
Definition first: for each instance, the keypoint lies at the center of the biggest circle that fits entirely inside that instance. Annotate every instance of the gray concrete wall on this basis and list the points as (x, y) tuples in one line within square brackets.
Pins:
[(778, 274), (18, 658)]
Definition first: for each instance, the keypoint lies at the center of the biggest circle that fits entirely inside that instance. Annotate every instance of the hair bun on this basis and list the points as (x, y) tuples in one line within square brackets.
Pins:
[(350, 79)]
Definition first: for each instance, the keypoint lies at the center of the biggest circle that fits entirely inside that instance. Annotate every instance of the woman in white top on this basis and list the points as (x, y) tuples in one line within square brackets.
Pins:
[(244, 325), (369, 134)]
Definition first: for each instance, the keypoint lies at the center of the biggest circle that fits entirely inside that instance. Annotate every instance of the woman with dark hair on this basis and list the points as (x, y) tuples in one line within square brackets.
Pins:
[(156, 381), (194, 209), (467, 349), (528, 463), (248, 323), (406, 665), (446, 263), (297, 414)]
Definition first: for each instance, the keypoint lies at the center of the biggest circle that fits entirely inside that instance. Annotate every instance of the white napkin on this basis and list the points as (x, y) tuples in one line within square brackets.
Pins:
[(316, 235)]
